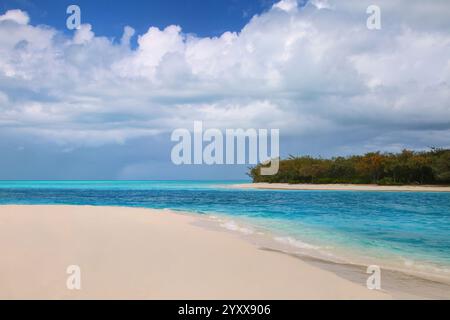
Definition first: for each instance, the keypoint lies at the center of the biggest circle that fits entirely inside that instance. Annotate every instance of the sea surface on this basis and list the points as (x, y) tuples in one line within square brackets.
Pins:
[(408, 230)]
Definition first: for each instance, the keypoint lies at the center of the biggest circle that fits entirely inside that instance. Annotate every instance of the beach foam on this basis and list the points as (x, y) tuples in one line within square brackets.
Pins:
[(296, 243), (233, 226)]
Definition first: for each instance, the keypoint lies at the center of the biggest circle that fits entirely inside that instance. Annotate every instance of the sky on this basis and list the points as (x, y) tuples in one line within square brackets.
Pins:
[(200, 17), (102, 101)]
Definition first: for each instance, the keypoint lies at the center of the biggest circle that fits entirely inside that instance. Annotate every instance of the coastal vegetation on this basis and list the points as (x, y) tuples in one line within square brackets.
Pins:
[(406, 167)]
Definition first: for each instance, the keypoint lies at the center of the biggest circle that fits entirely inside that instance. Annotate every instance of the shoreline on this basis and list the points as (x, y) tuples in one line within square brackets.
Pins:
[(400, 282), (339, 187), (134, 253)]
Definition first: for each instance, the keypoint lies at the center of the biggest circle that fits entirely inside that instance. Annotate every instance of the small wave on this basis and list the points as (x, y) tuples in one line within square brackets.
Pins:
[(408, 263), (295, 243), (425, 267), (233, 226)]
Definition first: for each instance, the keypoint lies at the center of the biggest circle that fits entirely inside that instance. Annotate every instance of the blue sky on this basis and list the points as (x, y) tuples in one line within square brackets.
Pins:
[(101, 102), (204, 18)]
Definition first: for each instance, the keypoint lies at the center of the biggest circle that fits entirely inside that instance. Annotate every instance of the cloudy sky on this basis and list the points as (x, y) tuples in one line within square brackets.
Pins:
[(101, 102)]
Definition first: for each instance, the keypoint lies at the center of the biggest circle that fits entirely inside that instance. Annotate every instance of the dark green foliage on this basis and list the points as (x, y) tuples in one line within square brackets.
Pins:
[(406, 167)]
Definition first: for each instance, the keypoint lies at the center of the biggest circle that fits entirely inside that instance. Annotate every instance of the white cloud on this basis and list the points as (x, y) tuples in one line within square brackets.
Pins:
[(301, 69), (321, 4), (17, 16), (286, 5), (128, 33), (83, 34)]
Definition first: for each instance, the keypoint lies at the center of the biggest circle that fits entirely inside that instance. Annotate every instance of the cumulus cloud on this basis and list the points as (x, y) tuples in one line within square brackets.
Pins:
[(83, 34), (286, 5), (128, 33), (310, 69), (17, 16), (321, 4)]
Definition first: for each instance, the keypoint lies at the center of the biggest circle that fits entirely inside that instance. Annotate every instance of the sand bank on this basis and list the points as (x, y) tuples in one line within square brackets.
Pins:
[(126, 253), (337, 187)]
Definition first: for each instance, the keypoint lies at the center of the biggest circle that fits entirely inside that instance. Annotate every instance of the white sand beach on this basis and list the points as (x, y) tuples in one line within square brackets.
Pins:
[(127, 253), (338, 187)]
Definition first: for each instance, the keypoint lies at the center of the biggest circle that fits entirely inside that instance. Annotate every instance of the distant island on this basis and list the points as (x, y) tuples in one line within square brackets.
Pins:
[(404, 168)]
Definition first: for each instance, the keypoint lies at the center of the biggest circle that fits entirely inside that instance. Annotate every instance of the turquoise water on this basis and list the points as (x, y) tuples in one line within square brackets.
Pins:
[(410, 228)]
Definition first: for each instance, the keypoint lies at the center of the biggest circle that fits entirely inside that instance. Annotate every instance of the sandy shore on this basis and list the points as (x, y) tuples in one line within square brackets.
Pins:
[(127, 253), (337, 187)]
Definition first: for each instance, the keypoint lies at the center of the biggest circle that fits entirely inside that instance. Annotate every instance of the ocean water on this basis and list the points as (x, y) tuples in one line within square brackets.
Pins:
[(406, 229)]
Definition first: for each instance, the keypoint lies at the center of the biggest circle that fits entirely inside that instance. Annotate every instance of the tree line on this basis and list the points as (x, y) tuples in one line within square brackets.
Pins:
[(406, 167)]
